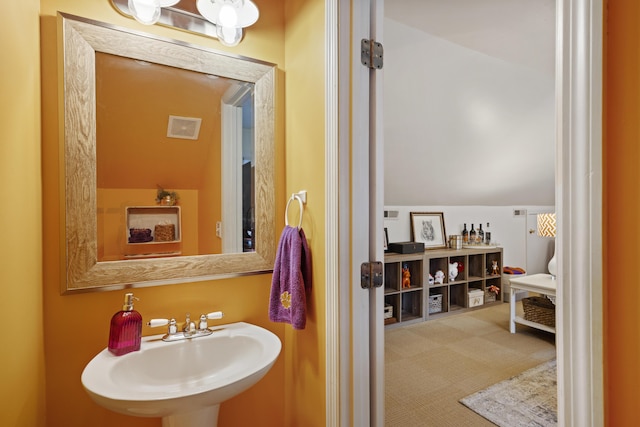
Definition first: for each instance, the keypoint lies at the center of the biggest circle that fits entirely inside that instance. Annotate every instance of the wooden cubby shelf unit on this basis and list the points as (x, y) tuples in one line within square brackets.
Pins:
[(423, 300)]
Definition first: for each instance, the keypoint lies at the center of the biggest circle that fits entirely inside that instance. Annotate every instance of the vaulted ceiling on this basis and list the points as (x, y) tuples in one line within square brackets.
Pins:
[(469, 102)]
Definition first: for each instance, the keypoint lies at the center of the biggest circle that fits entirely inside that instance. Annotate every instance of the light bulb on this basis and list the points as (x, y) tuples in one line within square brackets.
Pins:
[(228, 16), (229, 36), (146, 12)]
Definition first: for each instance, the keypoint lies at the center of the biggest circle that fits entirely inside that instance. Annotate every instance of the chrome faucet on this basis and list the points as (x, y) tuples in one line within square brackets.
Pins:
[(189, 329)]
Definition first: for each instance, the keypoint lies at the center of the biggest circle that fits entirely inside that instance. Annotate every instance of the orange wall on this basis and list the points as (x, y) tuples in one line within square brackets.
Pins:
[(77, 325), (22, 355), (621, 207), (304, 158)]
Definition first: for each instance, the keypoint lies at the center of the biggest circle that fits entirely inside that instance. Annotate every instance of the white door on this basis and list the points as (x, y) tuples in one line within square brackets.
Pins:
[(365, 183)]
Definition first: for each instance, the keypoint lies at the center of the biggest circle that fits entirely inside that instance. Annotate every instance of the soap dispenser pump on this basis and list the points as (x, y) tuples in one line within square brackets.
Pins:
[(125, 334)]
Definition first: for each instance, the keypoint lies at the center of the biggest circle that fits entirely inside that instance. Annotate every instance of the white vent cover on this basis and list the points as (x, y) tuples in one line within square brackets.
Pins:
[(183, 127)]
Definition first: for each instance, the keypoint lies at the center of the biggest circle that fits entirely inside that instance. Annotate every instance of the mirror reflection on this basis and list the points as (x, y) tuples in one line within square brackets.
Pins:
[(175, 242), (163, 188)]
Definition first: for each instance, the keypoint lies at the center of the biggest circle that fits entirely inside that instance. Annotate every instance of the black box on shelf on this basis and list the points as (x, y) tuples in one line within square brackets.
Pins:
[(406, 247)]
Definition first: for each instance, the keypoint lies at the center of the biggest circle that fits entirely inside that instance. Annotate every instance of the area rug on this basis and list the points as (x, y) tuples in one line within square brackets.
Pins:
[(528, 399)]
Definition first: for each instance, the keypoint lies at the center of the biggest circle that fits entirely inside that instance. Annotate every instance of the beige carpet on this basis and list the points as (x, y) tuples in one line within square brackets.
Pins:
[(430, 366)]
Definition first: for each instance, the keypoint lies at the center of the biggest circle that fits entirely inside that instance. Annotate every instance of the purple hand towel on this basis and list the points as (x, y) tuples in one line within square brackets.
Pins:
[(291, 279)]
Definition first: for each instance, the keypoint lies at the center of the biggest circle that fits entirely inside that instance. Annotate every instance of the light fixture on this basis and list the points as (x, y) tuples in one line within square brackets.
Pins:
[(230, 17), (147, 12), (547, 228)]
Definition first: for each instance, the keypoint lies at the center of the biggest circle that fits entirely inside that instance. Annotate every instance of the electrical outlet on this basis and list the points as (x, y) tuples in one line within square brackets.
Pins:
[(219, 229)]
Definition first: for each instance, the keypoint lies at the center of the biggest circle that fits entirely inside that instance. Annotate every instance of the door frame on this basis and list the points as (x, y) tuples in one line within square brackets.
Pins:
[(579, 26)]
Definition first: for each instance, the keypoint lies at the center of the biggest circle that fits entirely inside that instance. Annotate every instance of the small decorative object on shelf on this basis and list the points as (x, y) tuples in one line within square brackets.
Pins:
[(140, 235), (492, 293), (453, 271), (165, 232), (495, 270), (406, 276), (439, 277), (435, 303), (431, 279), (166, 198)]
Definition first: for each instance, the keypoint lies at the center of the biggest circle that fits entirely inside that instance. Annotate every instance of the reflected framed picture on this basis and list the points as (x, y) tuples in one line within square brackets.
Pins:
[(428, 228)]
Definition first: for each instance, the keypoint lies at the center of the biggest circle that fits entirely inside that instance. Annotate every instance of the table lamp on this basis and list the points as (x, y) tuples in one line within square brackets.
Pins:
[(547, 228)]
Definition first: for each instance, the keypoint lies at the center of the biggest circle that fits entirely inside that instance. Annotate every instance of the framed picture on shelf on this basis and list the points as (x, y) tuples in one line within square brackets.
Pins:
[(428, 228), (386, 239)]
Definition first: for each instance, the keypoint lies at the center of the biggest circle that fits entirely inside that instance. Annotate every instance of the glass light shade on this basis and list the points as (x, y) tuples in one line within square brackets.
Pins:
[(222, 12), (228, 16), (146, 12), (229, 36)]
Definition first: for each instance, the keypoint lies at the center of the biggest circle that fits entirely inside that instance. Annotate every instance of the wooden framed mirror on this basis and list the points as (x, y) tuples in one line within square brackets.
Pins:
[(80, 42)]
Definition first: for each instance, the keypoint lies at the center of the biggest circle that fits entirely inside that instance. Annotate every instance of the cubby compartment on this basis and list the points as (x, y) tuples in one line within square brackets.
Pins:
[(437, 300), (391, 308), (411, 306), (476, 267), (391, 277), (462, 268), (492, 294), (458, 297), (438, 264), (493, 270), (153, 224), (403, 288)]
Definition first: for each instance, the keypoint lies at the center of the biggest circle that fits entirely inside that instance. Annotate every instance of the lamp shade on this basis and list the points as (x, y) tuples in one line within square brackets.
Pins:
[(547, 228), (547, 225)]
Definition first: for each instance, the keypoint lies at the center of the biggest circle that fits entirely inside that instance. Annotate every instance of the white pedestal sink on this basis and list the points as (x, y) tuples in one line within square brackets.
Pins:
[(184, 381)]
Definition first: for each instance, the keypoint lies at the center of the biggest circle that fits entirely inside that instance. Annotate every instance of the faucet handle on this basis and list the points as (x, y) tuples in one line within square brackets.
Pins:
[(215, 315), (173, 328), (154, 323)]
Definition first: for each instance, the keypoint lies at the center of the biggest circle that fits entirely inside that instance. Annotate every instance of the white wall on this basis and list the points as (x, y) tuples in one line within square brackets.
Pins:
[(508, 231), (462, 127)]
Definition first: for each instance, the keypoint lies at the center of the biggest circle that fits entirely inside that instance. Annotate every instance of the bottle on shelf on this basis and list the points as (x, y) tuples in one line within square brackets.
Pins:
[(487, 235), (465, 234), (480, 234), (472, 235)]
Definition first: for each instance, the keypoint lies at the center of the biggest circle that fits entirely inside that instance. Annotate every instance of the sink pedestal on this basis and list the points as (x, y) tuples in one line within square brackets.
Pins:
[(206, 417)]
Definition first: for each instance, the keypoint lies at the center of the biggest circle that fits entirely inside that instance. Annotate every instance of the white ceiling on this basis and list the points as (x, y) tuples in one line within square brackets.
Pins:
[(518, 31)]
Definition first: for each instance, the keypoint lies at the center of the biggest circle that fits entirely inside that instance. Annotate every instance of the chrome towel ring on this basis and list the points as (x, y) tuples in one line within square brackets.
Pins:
[(301, 197)]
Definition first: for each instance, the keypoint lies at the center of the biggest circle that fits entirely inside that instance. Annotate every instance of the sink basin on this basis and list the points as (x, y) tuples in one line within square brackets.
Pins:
[(182, 381)]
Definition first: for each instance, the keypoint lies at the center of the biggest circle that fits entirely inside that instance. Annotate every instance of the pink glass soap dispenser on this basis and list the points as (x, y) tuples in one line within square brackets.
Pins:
[(126, 329)]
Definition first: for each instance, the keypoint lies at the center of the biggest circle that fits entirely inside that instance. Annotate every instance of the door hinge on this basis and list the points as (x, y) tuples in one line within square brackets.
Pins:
[(371, 275), (371, 54)]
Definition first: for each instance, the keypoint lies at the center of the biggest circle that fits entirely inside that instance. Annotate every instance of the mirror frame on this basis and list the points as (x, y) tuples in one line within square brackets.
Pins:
[(78, 40)]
